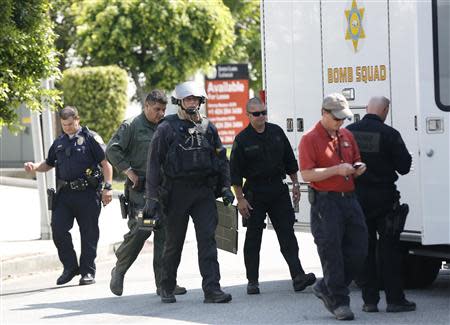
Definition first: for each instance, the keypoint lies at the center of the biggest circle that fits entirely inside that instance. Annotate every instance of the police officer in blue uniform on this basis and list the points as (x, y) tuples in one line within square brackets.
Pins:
[(385, 154), (77, 155), (186, 170)]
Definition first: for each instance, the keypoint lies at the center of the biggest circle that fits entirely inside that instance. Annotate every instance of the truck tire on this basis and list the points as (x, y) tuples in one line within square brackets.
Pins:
[(420, 271)]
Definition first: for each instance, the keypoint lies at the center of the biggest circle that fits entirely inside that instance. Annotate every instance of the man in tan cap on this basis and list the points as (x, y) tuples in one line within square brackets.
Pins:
[(330, 160)]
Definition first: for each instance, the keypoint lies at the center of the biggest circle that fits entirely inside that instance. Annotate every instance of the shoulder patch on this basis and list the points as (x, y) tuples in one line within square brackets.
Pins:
[(98, 138)]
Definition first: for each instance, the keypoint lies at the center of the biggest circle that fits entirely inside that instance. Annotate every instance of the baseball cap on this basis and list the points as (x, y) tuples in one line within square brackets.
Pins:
[(337, 105)]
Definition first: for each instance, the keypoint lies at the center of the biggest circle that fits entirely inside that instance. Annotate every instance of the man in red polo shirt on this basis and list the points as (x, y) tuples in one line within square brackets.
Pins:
[(330, 160)]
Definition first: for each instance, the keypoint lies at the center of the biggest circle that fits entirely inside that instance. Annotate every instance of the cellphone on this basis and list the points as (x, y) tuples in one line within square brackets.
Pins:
[(358, 164)]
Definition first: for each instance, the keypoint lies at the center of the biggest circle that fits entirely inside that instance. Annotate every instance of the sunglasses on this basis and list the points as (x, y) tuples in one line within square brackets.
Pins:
[(256, 114), (334, 117)]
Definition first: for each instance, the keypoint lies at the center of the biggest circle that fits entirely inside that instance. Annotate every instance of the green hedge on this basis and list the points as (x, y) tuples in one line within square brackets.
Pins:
[(100, 95)]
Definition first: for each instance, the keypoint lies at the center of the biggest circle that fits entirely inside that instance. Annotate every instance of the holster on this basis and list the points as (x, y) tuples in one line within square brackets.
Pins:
[(395, 220), (51, 199), (124, 206)]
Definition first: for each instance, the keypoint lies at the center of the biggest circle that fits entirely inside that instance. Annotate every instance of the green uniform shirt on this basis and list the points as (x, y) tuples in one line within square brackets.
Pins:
[(128, 148)]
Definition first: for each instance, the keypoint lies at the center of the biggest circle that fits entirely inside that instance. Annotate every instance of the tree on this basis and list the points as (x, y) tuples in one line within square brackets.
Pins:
[(26, 56), (247, 47), (160, 43), (63, 17)]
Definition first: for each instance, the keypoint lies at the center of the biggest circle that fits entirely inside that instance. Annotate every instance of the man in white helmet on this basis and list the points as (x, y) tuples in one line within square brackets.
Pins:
[(187, 169)]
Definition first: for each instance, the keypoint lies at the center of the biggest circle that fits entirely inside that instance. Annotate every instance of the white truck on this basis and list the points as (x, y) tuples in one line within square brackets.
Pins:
[(398, 49)]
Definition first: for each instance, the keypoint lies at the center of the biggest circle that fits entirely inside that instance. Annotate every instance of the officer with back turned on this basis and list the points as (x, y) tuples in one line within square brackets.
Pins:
[(127, 151), (187, 169), (384, 152), (263, 156), (77, 155)]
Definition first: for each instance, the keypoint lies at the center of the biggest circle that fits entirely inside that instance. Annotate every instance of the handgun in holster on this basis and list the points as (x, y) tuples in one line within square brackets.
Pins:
[(395, 220), (51, 199), (124, 206)]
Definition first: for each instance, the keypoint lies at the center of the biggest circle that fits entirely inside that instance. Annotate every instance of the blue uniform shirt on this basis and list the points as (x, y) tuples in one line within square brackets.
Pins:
[(72, 156)]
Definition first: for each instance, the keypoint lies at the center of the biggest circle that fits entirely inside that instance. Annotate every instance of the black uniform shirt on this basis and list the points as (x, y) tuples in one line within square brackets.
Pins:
[(72, 156), (382, 149), (260, 156)]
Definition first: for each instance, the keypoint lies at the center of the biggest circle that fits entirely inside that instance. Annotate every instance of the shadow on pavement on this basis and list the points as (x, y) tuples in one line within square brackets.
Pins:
[(277, 304)]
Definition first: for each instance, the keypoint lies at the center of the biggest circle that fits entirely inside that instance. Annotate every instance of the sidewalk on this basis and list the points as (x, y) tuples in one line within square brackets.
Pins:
[(21, 250)]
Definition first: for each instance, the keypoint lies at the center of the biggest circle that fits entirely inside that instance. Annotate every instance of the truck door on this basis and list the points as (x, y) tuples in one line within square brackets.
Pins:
[(434, 119), (355, 45), (291, 45)]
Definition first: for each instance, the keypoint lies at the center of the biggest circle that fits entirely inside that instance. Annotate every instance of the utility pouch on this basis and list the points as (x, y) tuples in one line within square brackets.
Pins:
[(124, 206), (311, 195), (51, 198)]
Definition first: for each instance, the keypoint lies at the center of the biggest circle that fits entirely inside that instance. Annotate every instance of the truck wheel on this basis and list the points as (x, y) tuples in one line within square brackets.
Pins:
[(420, 271)]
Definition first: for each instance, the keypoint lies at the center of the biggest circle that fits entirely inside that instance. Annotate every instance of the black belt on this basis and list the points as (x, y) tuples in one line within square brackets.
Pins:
[(80, 184), (336, 194)]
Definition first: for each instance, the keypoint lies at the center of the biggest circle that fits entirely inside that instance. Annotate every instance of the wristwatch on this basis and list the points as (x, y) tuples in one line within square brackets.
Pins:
[(107, 186)]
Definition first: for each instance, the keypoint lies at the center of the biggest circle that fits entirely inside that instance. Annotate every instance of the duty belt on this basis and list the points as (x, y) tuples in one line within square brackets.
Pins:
[(80, 184), (336, 194)]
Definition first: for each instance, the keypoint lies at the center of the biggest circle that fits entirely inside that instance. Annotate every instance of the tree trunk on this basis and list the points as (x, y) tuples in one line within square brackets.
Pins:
[(140, 94)]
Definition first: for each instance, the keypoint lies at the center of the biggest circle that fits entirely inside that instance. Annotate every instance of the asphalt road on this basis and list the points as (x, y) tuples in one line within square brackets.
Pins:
[(36, 299)]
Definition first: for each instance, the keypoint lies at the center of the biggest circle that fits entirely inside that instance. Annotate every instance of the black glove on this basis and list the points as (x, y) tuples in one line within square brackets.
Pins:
[(227, 196), (151, 209)]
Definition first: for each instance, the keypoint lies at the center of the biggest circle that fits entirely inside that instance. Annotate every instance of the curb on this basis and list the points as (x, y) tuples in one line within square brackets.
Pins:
[(41, 262)]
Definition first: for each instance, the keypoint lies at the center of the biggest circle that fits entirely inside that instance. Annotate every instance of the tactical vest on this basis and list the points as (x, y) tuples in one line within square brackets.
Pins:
[(192, 154)]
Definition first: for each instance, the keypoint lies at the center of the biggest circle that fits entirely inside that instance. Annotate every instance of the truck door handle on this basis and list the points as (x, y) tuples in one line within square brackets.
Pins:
[(300, 125), (289, 125)]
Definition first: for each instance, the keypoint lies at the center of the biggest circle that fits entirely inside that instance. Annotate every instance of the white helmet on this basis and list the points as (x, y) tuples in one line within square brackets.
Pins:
[(186, 89)]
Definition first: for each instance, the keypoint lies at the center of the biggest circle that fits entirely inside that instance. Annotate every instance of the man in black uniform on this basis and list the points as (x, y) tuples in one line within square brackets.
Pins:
[(263, 155), (186, 164), (385, 154), (77, 154)]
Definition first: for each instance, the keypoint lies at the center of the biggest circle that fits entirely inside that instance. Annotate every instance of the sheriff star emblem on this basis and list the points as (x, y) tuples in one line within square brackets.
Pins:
[(355, 31)]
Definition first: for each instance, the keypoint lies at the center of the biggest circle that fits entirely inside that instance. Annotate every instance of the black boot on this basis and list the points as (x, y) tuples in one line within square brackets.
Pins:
[(66, 276), (301, 281), (87, 279), (253, 288), (216, 297), (116, 283), (401, 306), (167, 297)]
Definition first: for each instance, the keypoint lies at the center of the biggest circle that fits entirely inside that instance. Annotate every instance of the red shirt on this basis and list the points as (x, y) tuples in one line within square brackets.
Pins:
[(317, 149)]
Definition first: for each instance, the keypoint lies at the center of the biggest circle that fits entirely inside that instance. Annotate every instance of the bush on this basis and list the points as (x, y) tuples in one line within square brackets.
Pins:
[(99, 94)]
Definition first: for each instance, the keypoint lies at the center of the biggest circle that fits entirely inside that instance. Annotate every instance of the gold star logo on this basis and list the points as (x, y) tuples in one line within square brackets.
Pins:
[(354, 27)]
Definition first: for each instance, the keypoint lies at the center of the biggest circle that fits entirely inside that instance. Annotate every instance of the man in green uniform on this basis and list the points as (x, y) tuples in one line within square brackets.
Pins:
[(127, 152)]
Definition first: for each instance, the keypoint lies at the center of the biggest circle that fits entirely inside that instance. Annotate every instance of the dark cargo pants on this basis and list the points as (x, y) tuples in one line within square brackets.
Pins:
[(274, 200), (133, 242), (340, 233), (198, 201), (385, 253)]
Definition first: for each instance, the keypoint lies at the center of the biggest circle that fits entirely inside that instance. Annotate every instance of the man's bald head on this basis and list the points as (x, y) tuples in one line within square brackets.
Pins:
[(379, 106)]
